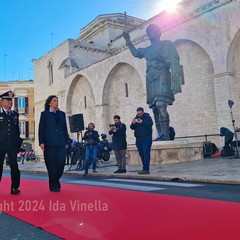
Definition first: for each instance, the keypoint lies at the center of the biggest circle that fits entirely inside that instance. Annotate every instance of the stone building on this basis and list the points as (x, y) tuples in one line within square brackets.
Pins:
[(96, 75), (24, 105), (3, 88)]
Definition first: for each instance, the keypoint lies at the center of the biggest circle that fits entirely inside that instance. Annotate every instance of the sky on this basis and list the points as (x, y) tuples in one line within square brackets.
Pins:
[(31, 28)]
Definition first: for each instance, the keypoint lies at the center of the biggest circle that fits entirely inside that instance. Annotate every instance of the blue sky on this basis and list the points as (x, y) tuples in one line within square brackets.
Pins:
[(29, 28)]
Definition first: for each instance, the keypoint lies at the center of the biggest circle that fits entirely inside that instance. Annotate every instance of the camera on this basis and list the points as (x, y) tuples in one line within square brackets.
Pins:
[(113, 127), (138, 120)]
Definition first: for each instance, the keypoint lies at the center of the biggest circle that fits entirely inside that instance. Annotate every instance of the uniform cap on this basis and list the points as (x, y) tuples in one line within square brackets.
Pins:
[(7, 95)]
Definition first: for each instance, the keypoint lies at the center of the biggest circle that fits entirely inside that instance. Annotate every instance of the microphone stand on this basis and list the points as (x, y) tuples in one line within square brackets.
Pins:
[(235, 135)]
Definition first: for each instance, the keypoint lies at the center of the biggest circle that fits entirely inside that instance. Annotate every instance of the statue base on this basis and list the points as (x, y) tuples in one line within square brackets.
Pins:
[(168, 152)]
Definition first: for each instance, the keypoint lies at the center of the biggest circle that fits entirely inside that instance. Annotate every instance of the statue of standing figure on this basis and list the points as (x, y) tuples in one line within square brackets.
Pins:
[(164, 76)]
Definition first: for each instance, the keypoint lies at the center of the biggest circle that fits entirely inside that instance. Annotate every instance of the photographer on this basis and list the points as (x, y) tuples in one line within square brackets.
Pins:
[(228, 138), (119, 143), (142, 126), (91, 138)]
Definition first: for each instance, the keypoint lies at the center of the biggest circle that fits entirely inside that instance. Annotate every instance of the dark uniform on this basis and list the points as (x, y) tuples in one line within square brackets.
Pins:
[(53, 134), (10, 141)]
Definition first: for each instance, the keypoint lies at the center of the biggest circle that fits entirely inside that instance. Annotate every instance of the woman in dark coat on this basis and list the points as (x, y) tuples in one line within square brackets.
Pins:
[(53, 140)]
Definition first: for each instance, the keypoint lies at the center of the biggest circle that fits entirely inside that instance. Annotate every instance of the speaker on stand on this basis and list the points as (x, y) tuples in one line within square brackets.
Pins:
[(76, 124)]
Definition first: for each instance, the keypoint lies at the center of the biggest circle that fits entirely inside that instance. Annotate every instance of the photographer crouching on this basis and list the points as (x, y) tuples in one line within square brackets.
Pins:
[(91, 138), (228, 138), (119, 143)]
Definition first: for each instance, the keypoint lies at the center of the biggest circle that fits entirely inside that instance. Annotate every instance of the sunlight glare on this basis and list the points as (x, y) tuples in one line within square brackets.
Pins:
[(168, 5)]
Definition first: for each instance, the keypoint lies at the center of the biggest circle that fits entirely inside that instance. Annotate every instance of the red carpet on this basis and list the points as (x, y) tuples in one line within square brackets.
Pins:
[(120, 214)]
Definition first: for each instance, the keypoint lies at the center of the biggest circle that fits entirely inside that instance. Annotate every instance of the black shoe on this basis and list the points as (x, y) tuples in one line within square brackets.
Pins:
[(15, 191), (121, 171), (85, 173), (143, 172), (55, 190)]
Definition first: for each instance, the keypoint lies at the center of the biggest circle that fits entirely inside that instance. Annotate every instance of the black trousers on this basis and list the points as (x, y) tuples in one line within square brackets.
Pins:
[(15, 173), (54, 157)]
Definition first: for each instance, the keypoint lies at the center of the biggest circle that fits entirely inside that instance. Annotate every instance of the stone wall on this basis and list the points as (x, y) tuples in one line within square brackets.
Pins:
[(206, 35)]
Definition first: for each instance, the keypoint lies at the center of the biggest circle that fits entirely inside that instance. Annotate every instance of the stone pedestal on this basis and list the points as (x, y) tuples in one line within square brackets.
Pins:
[(167, 152)]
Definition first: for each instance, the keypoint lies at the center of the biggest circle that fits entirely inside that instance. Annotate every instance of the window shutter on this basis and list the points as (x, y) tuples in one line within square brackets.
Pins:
[(27, 129), (26, 105)]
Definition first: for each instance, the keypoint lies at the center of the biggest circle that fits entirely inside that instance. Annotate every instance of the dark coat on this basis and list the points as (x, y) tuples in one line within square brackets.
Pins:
[(227, 134), (53, 129), (119, 141), (91, 138), (143, 129), (9, 131)]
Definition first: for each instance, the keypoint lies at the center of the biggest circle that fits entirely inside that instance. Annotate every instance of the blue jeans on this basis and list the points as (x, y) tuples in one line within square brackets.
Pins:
[(91, 152), (144, 149)]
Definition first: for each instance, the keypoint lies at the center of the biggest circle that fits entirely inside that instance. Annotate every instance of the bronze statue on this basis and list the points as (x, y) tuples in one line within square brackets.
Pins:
[(164, 76)]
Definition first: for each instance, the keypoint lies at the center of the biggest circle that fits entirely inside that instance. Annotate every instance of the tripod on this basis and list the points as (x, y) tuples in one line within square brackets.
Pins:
[(79, 133), (230, 103)]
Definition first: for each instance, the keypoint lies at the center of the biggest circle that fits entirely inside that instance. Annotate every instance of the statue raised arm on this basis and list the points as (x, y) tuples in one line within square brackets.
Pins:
[(164, 76)]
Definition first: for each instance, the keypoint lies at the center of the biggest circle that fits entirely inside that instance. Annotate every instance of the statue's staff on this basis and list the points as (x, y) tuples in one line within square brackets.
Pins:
[(125, 21)]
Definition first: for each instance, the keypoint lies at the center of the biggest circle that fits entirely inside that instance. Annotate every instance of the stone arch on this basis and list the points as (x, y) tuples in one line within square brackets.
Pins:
[(123, 78), (233, 66), (233, 53), (21, 93), (80, 99), (194, 110)]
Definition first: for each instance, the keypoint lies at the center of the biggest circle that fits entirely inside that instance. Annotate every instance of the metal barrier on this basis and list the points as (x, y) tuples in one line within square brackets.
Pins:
[(205, 136), (198, 136)]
